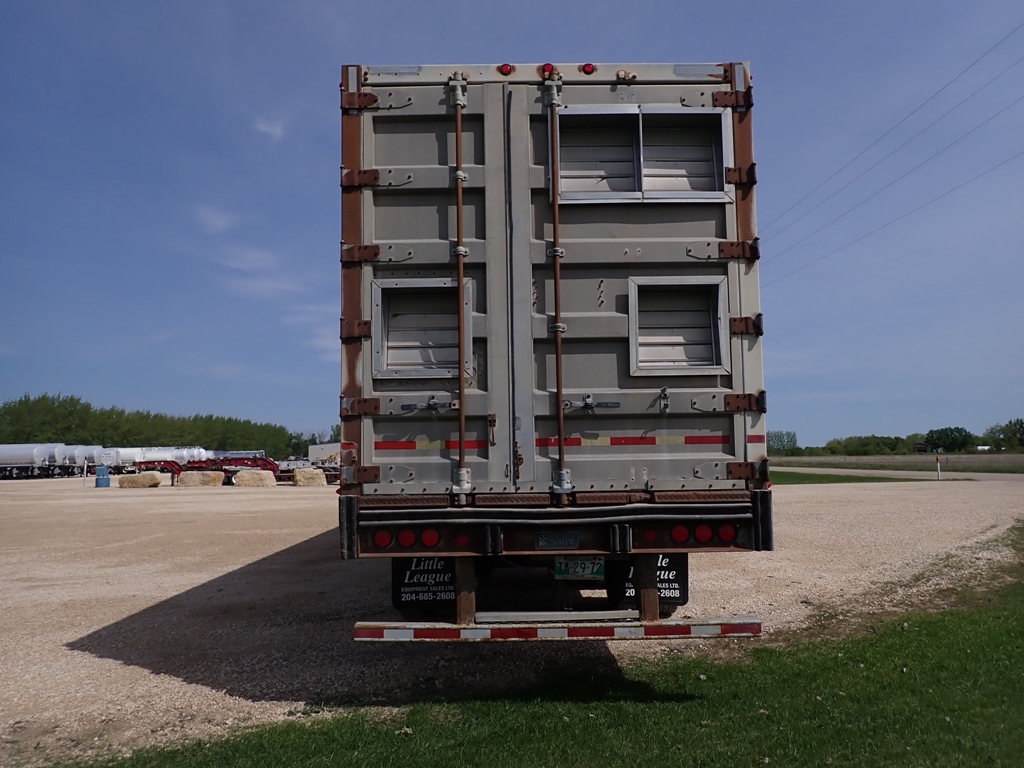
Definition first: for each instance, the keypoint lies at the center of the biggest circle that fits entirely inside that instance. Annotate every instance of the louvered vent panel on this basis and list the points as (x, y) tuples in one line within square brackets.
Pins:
[(598, 158), (422, 330), (680, 160), (677, 328)]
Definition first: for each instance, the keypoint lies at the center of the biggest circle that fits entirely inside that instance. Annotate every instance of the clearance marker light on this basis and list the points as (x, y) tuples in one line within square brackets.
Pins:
[(588, 69), (506, 69), (406, 538), (727, 533), (650, 536), (547, 69), (462, 540), (680, 534), (703, 534), (430, 537), (382, 538)]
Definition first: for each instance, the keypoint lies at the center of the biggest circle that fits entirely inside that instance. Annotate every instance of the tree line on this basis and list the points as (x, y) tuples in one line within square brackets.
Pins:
[(67, 419), (999, 437)]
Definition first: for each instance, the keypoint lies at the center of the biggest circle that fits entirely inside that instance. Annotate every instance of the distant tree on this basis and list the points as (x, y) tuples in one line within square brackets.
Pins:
[(1005, 437), (950, 439), (869, 445), (335, 434), (782, 443)]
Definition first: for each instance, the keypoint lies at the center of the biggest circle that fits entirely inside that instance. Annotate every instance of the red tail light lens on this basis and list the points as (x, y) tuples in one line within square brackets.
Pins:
[(649, 536), (702, 534), (547, 69), (406, 538), (430, 538), (727, 533), (382, 538), (462, 540), (505, 69), (680, 534), (588, 69)]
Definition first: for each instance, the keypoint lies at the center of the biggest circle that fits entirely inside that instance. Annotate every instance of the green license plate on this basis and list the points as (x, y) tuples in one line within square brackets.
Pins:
[(579, 567)]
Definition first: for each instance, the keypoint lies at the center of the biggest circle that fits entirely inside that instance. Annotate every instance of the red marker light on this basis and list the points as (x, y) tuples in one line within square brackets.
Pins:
[(727, 533), (505, 69), (703, 534), (650, 536), (382, 538), (406, 538), (430, 537), (680, 534), (588, 69), (547, 69), (462, 540)]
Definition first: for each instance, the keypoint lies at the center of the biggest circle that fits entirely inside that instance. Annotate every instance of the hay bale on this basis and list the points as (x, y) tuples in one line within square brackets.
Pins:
[(204, 478), (141, 480), (309, 476), (255, 478)]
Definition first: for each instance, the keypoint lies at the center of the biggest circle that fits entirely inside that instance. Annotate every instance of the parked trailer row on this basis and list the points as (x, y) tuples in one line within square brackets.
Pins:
[(28, 460)]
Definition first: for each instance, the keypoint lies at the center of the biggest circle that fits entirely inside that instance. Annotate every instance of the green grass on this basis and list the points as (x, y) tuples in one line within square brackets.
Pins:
[(926, 689), (781, 477)]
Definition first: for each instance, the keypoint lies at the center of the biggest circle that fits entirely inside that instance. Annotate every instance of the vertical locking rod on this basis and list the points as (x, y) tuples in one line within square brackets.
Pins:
[(556, 253), (458, 92)]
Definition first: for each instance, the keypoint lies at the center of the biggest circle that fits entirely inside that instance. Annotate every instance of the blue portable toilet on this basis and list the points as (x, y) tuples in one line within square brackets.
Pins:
[(102, 477)]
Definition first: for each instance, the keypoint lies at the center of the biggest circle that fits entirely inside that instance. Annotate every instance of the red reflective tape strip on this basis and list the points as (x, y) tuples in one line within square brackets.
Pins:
[(657, 630), (514, 633), (708, 440), (755, 438), (437, 634), (741, 629), (368, 634), (395, 445), (590, 632), (469, 444), (552, 442), (649, 440)]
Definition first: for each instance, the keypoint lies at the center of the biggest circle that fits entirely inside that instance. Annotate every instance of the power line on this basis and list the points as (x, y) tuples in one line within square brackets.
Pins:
[(901, 146), (898, 178), (911, 114), (898, 218)]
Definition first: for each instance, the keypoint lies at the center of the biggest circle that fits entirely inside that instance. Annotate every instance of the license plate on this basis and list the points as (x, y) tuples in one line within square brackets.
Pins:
[(579, 567)]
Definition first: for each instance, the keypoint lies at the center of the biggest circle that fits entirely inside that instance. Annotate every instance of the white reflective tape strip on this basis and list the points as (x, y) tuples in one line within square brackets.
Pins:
[(398, 634), (629, 631), (475, 634), (557, 633), (710, 629), (595, 441)]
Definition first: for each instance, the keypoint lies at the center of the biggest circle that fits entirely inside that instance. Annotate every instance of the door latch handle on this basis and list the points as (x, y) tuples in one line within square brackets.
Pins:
[(432, 404), (588, 404)]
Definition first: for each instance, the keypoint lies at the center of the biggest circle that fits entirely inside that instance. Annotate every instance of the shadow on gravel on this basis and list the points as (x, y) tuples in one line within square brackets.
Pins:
[(280, 629)]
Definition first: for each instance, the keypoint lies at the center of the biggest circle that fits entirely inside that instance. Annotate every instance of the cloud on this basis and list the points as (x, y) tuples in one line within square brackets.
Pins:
[(247, 259), (214, 220), (273, 128), (263, 287)]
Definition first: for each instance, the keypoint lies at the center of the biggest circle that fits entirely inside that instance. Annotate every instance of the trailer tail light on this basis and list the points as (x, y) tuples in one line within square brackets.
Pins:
[(406, 538), (382, 538), (727, 533), (506, 69), (462, 540), (588, 69), (430, 538), (650, 535), (680, 534), (547, 69), (702, 534)]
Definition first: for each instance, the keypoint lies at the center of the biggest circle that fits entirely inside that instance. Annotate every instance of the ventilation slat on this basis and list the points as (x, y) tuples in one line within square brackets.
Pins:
[(422, 330), (676, 328)]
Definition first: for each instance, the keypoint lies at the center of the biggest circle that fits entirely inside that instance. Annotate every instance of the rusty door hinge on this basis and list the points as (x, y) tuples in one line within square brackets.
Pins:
[(744, 175), (747, 402), (744, 98), (365, 177), (365, 474), (740, 249), (740, 325), (359, 100), (746, 470), (355, 329), (352, 254), (360, 406)]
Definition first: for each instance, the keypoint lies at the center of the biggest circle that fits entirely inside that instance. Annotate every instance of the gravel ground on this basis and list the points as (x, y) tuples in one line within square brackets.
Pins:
[(139, 616)]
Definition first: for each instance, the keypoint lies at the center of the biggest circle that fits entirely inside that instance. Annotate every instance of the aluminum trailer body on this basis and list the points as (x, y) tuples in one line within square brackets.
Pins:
[(551, 332)]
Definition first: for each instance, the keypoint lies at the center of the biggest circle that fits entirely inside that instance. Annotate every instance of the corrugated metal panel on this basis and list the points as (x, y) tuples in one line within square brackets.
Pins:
[(676, 327)]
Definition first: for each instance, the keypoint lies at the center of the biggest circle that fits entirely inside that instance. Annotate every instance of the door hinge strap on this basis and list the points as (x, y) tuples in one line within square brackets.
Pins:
[(742, 175), (353, 254), (734, 99), (746, 470), (741, 325), (355, 329), (363, 177), (739, 249), (360, 406), (747, 402), (359, 100), (354, 475)]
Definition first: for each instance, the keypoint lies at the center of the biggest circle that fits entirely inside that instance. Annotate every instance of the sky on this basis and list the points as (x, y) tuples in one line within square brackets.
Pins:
[(169, 201)]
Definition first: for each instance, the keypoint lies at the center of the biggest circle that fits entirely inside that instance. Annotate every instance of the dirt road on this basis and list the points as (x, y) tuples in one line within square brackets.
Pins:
[(132, 617)]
